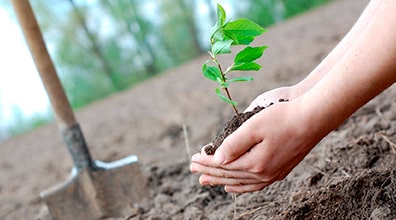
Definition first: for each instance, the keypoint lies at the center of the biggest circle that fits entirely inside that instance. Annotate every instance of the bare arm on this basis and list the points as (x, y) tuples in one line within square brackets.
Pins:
[(295, 91), (342, 48), (270, 144), (368, 68)]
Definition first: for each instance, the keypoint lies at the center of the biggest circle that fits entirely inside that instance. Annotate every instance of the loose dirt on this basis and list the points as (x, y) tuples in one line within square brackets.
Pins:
[(349, 174), (232, 125)]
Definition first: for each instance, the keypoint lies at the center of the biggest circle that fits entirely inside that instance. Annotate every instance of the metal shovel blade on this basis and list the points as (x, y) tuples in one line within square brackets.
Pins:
[(95, 189), (108, 190)]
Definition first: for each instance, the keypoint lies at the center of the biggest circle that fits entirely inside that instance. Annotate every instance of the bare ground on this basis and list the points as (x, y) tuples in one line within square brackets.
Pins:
[(349, 175)]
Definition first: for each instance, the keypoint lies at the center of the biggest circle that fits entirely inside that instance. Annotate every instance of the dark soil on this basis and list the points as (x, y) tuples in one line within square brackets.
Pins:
[(232, 125), (350, 174), (352, 180), (229, 128), (370, 195)]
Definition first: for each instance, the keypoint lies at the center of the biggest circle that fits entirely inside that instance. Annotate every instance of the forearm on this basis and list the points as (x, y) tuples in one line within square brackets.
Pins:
[(368, 68), (339, 51)]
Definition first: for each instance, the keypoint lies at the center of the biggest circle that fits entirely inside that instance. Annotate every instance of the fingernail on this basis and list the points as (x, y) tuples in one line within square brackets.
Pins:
[(219, 157)]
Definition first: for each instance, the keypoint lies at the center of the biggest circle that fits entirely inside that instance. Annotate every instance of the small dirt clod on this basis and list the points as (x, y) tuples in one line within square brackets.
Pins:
[(232, 125)]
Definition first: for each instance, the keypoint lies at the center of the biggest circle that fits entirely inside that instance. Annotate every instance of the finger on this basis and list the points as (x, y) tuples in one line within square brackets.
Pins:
[(206, 160), (255, 163), (238, 142), (246, 163), (246, 188), (257, 160), (219, 172), (214, 180), (250, 162)]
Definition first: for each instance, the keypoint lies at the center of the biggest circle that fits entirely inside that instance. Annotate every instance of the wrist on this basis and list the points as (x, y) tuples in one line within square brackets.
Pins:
[(317, 116)]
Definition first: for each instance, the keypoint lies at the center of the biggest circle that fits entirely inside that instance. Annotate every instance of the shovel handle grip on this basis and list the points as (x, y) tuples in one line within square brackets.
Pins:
[(62, 109)]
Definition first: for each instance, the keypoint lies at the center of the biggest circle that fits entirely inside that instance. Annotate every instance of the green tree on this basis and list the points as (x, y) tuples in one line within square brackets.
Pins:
[(94, 43), (188, 10), (294, 7), (134, 24), (91, 63), (175, 32), (264, 13), (212, 9)]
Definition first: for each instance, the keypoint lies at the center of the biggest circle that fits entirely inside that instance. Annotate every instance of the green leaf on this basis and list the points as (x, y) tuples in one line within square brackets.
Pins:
[(222, 47), (247, 66), (244, 27), (212, 72), (224, 98), (249, 54), (217, 34), (242, 31), (238, 39), (221, 15), (244, 40), (241, 79)]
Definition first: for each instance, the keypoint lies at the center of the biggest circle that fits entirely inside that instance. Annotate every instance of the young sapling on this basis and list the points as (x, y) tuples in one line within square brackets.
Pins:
[(224, 35)]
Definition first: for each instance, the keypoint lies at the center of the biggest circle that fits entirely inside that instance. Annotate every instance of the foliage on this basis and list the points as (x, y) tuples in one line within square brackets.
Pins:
[(294, 7), (223, 35), (269, 12), (23, 123)]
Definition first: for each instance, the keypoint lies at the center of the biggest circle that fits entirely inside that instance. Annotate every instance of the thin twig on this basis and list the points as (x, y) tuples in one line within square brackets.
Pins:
[(187, 142), (316, 169), (386, 138), (234, 195), (345, 173), (190, 202), (188, 150), (254, 209)]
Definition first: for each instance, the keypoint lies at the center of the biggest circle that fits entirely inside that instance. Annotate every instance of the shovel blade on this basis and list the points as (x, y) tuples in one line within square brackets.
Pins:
[(108, 190)]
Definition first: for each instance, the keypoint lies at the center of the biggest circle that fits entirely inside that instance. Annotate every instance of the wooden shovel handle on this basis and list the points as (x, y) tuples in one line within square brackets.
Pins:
[(63, 112)]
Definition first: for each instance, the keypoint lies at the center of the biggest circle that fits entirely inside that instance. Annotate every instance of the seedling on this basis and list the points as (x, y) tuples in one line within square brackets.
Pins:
[(224, 35)]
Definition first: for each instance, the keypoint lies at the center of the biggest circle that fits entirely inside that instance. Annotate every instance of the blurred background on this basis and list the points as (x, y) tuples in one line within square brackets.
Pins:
[(102, 47)]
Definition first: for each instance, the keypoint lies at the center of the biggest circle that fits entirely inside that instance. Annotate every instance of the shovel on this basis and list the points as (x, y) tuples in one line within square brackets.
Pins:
[(94, 189)]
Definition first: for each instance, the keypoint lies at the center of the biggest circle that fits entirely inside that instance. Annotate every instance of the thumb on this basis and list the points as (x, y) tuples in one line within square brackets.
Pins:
[(239, 142)]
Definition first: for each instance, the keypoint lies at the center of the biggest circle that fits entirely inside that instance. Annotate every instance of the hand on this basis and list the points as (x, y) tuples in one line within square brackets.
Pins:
[(263, 150), (271, 143)]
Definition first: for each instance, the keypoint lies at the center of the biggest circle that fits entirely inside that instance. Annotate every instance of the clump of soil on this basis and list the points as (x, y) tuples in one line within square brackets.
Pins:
[(232, 125)]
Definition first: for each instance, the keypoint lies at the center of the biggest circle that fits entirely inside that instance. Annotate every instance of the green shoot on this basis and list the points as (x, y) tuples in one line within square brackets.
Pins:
[(224, 35)]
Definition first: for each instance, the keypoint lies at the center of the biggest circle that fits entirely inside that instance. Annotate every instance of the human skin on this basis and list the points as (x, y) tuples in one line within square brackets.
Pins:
[(271, 143)]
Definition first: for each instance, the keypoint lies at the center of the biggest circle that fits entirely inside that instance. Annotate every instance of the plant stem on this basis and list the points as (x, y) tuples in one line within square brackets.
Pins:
[(225, 88), (229, 96)]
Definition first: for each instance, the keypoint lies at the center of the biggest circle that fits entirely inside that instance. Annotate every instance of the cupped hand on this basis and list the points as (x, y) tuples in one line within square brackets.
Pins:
[(263, 150)]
